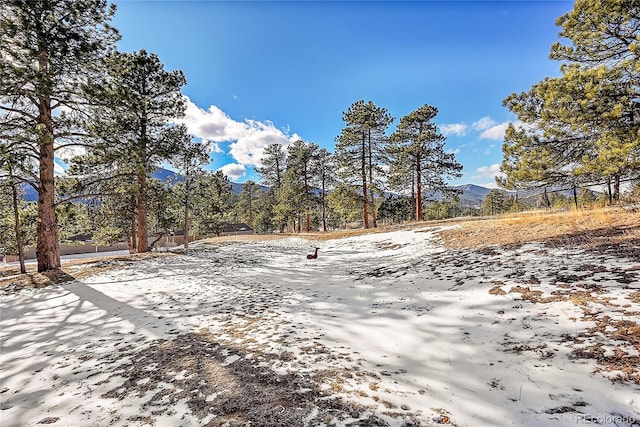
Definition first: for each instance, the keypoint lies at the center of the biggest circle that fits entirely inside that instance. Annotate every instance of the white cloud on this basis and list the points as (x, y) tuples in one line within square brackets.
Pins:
[(233, 171), (67, 153), (215, 147), (495, 132), (484, 123), (58, 170), (457, 129), (488, 172), (249, 148), (248, 138), (490, 185)]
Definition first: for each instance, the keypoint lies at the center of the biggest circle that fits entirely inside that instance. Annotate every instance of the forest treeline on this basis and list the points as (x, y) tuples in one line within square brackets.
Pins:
[(67, 92)]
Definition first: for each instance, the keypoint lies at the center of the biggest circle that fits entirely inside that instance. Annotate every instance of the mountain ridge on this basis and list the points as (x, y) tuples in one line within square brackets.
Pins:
[(472, 194)]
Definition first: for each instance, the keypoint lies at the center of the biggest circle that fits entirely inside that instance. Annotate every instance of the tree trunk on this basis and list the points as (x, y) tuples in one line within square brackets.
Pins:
[(133, 247), (418, 190), (187, 190), (143, 238), (616, 188), (546, 199), (251, 208), (371, 187), (307, 201), (575, 196), (324, 209), (363, 170), (413, 197), (47, 246), (16, 224), (186, 223)]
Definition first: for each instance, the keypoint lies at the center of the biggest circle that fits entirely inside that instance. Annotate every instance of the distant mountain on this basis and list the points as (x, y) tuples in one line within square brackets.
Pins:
[(236, 187), (472, 195), (164, 175), (30, 193)]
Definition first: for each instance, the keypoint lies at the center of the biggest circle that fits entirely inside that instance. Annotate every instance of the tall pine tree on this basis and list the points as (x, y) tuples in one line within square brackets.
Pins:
[(418, 146), (188, 160), (272, 173), (49, 50), (134, 127), (358, 151)]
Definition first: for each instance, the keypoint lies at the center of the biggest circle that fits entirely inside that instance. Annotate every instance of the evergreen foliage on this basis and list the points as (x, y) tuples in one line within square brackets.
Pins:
[(49, 51), (132, 132), (191, 157), (213, 203), (360, 150), (583, 127), (418, 152)]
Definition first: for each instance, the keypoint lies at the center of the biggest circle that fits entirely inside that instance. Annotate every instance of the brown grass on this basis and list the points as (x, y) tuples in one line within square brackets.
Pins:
[(320, 236), (607, 226), (603, 226)]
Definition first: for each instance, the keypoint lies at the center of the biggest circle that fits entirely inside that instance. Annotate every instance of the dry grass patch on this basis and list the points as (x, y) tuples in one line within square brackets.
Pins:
[(497, 289), (527, 293), (586, 228), (619, 364), (319, 236)]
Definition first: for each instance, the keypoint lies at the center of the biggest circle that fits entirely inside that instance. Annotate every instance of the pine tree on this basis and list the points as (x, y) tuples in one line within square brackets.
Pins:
[(247, 205), (213, 203), (497, 202), (272, 171), (273, 165), (166, 204), (300, 169), (586, 122), (359, 148), (49, 50), (418, 149), (289, 201), (10, 201), (189, 160), (324, 177), (345, 202), (263, 220), (133, 126)]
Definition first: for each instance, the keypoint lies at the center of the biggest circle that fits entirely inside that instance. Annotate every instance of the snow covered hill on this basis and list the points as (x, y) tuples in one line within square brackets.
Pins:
[(382, 329)]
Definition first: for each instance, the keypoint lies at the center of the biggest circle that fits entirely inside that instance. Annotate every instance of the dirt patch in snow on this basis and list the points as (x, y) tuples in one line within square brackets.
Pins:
[(227, 385), (614, 341)]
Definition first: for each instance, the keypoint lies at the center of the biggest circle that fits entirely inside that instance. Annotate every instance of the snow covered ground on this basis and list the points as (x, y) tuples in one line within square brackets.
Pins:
[(383, 328)]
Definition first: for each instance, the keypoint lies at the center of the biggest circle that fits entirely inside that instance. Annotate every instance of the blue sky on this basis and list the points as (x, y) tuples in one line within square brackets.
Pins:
[(262, 72)]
